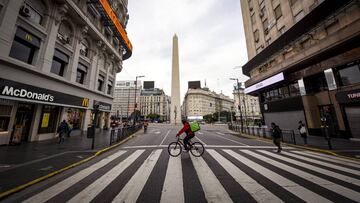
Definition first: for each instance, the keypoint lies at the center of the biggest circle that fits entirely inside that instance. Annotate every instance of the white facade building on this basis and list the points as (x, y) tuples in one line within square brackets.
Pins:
[(58, 61), (124, 98), (154, 101)]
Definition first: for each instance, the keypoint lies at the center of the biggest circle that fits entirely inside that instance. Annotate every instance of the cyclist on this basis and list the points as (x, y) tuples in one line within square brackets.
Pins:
[(189, 133), (145, 125)]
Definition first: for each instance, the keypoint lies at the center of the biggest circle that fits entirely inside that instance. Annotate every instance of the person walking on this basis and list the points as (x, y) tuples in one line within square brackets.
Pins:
[(303, 133), (276, 135), (62, 130)]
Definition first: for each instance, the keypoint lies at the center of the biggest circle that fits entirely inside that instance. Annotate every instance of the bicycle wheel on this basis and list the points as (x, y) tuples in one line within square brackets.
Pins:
[(174, 149), (197, 149)]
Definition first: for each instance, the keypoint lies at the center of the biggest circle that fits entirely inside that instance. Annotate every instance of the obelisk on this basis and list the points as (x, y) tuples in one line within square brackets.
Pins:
[(175, 111)]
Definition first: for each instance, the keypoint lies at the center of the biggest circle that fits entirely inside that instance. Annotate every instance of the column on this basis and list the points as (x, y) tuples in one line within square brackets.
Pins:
[(86, 119), (47, 56)]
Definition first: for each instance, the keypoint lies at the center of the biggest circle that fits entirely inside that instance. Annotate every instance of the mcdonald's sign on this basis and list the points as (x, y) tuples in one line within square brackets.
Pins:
[(85, 102), (28, 37)]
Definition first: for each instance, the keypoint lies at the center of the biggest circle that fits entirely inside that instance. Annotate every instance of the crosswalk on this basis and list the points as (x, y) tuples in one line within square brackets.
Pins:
[(220, 175)]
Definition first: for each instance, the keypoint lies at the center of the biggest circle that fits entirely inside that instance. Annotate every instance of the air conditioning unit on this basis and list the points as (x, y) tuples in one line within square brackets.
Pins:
[(25, 11)]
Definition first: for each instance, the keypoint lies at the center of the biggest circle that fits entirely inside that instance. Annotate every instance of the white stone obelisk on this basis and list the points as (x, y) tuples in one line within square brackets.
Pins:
[(175, 111)]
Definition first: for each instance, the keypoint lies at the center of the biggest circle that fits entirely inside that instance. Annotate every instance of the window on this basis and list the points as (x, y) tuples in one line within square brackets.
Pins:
[(65, 33), (24, 46), (60, 60), (278, 12), (315, 83), (292, 2), (266, 25), (100, 83), (262, 12), (84, 48), (268, 41), (253, 19), (256, 35), (81, 73), (5, 113), (34, 10), (282, 30), (48, 120), (349, 75), (109, 87), (299, 16)]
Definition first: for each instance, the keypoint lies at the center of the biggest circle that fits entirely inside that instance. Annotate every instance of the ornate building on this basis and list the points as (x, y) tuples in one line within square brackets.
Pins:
[(154, 101), (58, 61), (304, 63)]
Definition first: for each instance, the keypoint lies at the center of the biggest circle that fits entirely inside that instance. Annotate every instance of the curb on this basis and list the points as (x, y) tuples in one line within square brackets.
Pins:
[(33, 182), (324, 151)]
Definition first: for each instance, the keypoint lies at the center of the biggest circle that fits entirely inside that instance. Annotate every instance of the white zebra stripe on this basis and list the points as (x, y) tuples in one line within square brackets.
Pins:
[(214, 191), (332, 159), (316, 169), (99, 185), (173, 190), (285, 183), (257, 191), (56, 189), (346, 192), (356, 172), (133, 188)]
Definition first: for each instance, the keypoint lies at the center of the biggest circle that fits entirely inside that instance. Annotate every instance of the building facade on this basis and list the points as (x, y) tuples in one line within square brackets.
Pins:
[(124, 98), (304, 63), (58, 61), (249, 105), (201, 102), (154, 101)]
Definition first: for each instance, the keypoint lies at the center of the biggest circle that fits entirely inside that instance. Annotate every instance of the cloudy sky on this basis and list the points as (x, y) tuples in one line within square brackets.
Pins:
[(211, 42)]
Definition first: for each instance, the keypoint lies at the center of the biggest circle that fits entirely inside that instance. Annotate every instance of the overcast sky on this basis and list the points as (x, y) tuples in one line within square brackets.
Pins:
[(211, 42)]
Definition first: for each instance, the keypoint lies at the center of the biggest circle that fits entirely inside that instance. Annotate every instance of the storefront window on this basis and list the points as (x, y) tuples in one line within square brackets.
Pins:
[(48, 120), (350, 75), (5, 112), (74, 117)]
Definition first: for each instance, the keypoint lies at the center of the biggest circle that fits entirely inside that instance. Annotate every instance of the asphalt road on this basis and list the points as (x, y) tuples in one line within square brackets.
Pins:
[(232, 169)]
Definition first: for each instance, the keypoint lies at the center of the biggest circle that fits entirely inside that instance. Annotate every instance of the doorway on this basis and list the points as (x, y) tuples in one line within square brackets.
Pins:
[(22, 123)]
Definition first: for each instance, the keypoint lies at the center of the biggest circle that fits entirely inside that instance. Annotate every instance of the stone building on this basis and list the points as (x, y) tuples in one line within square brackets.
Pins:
[(58, 61), (154, 101), (201, 101), (304, 63)]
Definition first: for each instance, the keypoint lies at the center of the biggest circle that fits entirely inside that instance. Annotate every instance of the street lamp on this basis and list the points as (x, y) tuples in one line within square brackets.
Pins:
[(135, 106), (238, 90)]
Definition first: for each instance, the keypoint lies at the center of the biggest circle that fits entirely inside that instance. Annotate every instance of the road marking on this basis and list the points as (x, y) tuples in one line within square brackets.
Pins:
[(210, 146), (257, 191), (173, 190), (157, 132), (134, 186), (201, 141), (162, 141), (316, 169), (285, 183), (100, 184), (346, 192), (46, 168), (63, 185), (200, 133), (214, 191), (356, 172), (333, 158), (225, 138)]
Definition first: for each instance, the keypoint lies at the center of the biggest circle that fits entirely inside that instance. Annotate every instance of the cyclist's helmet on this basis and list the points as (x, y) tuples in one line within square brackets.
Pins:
[(183, 120)]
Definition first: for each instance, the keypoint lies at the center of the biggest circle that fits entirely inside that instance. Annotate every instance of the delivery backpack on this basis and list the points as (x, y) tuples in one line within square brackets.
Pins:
[(194, 126)]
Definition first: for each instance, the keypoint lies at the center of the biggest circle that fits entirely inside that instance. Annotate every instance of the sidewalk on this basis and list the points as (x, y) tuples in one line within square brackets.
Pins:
[(29, 161), (339, 146)]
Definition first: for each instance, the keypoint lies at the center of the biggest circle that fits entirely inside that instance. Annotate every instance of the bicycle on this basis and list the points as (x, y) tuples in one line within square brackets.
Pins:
[(175, 148)]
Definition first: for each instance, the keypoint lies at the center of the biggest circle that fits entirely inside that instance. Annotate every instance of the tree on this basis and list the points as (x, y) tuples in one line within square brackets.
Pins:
[(208, 118), (153, 116)]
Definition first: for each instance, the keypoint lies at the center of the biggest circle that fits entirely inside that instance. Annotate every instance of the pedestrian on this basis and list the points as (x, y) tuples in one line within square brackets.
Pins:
[(303, 133), (62, 130), (276, 135)]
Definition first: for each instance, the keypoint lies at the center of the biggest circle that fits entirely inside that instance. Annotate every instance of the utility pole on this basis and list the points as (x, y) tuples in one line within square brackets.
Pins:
[(239, 106), (135, 102)]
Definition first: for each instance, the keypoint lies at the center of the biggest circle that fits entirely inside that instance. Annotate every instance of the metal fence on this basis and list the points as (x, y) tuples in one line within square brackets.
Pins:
[(118, 134), (288, 136)]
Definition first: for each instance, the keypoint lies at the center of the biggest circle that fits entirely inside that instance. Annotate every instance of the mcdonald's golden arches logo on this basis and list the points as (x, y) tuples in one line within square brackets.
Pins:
[(28, 37), (85, 102)]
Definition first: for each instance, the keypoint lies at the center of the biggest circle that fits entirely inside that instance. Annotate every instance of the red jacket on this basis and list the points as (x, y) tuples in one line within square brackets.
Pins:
[(185, 129)]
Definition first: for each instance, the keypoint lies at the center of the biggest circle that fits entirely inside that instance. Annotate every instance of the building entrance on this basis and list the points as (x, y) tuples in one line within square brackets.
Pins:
[(22, 123)]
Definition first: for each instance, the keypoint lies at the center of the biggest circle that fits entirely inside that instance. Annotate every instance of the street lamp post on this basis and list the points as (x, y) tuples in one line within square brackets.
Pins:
[(135, 102), (238, 90)]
